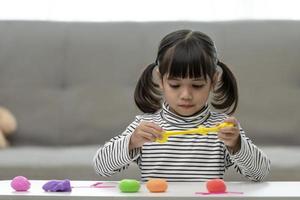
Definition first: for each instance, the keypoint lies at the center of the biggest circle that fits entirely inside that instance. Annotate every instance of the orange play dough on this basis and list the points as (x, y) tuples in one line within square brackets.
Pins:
[(157, 185)]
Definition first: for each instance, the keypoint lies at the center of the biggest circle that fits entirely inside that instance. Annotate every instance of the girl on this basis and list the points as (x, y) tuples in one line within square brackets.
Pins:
[(188, 71)]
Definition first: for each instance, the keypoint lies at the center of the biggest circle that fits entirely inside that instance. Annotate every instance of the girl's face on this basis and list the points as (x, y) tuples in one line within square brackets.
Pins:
[(186, 96)]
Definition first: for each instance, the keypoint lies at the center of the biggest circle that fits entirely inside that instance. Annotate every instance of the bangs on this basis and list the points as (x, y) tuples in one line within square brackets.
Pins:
[(188, 59)]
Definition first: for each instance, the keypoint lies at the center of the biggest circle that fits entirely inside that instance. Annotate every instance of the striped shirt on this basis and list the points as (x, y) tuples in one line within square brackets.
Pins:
[(190, 157)]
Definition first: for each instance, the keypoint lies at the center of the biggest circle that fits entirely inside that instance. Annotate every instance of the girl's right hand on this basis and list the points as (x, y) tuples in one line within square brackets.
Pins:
[(145, 132)]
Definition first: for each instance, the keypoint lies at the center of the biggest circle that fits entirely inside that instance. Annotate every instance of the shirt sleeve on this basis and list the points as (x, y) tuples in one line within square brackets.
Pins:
[(249, 161), (115, 156)]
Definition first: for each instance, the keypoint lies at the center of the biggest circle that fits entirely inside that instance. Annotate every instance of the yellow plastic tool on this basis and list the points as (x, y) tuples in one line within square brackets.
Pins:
[(200, 130)]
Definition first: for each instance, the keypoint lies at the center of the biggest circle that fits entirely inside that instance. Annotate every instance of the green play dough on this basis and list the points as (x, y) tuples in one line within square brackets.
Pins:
[(129, 185)]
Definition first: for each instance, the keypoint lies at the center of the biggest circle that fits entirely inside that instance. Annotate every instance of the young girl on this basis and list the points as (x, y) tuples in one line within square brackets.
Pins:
[(188, 72)]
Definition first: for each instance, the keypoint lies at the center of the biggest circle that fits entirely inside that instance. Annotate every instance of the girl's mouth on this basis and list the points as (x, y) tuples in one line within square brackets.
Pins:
[(186, 106)]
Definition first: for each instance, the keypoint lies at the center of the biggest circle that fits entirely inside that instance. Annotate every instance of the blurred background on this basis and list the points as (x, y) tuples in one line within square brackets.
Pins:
[(68, 69), (155, 10)]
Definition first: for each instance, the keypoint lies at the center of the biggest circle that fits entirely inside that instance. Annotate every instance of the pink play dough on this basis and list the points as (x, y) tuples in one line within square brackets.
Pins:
[(20, 183)]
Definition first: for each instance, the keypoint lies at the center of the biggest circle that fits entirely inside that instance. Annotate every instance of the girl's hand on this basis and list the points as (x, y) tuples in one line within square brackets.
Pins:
[(145, 132), (231, 135)]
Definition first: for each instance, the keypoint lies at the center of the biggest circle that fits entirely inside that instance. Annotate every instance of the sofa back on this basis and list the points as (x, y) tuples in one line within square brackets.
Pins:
[(71, 83)]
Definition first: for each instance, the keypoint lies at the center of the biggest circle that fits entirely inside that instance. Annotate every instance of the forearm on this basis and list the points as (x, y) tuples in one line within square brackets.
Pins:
[(114, 155), (251, 161)]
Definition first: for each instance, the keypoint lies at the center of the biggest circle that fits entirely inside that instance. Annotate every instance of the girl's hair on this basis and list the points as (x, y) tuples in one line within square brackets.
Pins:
[(183, 54)]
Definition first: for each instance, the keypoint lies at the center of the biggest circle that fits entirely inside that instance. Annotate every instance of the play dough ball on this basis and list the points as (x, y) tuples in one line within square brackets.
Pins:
[(216, 186), (129, 185), (157, 185), (20, 183)]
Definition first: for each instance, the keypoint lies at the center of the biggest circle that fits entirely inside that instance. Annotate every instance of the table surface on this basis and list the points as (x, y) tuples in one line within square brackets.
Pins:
[(176, 190)]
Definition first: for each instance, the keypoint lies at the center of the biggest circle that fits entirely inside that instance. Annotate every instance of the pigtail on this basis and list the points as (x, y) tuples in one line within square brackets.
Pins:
[(147, 95), (226, 95)]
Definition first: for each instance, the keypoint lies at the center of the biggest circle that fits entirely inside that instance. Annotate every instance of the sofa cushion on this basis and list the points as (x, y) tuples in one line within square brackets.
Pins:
[(76, 163)]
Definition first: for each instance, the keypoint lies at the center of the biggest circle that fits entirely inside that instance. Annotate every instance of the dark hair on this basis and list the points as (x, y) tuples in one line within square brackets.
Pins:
[(182, 54)]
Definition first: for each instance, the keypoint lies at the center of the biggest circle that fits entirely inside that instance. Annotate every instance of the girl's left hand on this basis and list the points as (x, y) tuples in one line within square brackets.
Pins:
[(231, 135)]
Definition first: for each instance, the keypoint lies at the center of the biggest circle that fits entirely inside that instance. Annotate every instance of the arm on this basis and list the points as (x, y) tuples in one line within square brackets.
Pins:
[(115, 155), (249, 160)]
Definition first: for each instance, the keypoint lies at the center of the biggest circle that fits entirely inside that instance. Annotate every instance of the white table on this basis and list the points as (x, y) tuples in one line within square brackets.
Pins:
[(178, 190)]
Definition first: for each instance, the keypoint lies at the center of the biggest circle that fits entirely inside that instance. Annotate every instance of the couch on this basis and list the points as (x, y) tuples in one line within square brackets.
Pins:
[(70, 86)]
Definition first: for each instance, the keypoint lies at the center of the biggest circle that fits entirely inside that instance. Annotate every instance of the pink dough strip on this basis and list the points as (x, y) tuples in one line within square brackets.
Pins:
[(214, 193)]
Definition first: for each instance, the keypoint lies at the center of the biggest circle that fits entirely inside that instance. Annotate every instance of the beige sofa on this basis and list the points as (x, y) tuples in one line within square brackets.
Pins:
[(71, 85)]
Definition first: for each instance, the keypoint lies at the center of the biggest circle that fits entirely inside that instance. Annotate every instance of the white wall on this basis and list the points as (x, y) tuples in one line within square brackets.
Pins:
[(142, 10)]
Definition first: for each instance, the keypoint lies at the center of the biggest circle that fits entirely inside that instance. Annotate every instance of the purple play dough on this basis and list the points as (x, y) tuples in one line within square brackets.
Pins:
[(57, 186)]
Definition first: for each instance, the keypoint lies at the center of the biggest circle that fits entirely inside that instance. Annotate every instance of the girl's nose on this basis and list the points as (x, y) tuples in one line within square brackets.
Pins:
[(186, 94)]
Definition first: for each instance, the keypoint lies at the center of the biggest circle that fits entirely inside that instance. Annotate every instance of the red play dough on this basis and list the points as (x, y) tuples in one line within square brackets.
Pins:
[(216, 186)]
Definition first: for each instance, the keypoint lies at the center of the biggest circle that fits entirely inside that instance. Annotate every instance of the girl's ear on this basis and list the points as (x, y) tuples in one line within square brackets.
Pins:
[(159, 78)]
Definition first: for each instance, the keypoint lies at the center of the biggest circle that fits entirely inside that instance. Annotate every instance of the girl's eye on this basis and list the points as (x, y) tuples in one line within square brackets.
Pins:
[(174, 86), (198, 86)]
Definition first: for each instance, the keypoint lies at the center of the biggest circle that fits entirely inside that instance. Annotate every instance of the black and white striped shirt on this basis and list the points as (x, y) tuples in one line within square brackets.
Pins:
[(190, 157)]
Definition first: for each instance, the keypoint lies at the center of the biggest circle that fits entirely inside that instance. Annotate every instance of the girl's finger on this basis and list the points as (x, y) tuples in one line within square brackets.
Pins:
[(154, 126), (227, 141), (224, 140), (232, 120), (229, 129), (147, 136), (226, 136), (152, 131)]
